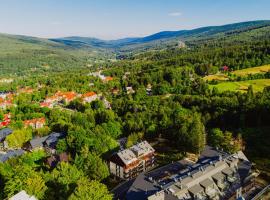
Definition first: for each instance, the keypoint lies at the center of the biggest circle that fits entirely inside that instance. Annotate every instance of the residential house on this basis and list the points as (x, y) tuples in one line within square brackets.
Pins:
[(130, 162), (4, 104), (46, 104), (22, 195), (89, 97), (53, 160), (35, 123), (115, 91), (130, 90), (101, 76), (48, 142), (52, 99), (6, 120), (107, 79), (66, 96), (225, 68), (10, 154), (25, 90)]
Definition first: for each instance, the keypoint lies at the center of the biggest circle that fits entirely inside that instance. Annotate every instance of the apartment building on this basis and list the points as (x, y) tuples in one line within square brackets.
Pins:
[(130, 162)]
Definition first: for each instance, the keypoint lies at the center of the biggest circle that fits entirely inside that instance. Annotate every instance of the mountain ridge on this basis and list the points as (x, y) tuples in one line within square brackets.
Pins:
[(160, 36)]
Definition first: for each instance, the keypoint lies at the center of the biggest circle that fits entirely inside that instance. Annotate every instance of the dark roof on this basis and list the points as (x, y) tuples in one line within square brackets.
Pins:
[(211, 153), (11, 154), (38, 142), (4, 133), (53, 138), (49, 140), (139, 188)]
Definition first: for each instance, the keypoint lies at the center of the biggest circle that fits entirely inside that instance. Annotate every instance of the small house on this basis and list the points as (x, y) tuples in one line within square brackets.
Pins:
[(107, 79), (48, 142), (6, 120), (11, 154), (46, 105), (89, 97), (225, 68), (130, 90), (35, 123)]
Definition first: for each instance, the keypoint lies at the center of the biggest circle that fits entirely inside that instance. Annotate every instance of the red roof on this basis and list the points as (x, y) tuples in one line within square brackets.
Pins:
[(89, 94), (225, 68), (41, 120), (69, 96), (6, 120), (108, 78), (45, 104)]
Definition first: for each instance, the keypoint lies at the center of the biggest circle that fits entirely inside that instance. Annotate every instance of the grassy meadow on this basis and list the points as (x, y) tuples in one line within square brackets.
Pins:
[(242, 86), (253, 70)]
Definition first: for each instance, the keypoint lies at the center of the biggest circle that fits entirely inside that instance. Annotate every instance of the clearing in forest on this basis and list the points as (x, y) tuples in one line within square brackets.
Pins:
[(253, 70), (242, 86)]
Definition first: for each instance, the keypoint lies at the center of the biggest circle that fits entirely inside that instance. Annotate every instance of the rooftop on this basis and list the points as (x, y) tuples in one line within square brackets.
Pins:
[(4, 133), (131, 154), (212, 166), (49, 140), (11, 154)]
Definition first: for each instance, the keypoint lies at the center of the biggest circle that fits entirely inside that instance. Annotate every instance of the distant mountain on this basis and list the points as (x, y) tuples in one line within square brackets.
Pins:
[(160, 38), (21, 54)]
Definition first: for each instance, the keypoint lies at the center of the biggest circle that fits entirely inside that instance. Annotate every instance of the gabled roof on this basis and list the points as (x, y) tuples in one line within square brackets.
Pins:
[(34, 121), (88, 94), (11, 154), (38, 142), (49, 140), (4, 133), (53, 138)]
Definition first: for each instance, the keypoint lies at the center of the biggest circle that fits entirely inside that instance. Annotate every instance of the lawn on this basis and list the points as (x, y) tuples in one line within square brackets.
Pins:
[(242, 86), (253, 70)]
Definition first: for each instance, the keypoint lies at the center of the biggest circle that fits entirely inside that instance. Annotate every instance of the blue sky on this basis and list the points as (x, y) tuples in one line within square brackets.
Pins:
[(111, 19)]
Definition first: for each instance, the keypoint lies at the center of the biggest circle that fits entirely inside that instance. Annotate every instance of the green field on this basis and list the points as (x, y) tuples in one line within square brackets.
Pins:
[(218, 77), (242, 86), (253, 70)]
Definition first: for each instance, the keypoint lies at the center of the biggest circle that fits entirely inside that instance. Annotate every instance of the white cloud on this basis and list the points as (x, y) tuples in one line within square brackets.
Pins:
[(175, 14)]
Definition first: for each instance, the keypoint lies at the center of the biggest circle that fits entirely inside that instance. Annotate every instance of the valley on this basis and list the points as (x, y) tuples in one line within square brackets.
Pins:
[(177, 113)]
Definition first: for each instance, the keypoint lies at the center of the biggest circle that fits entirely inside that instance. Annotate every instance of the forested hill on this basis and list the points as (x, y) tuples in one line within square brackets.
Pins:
[(165, 38), (206, 46), (22, 54)]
